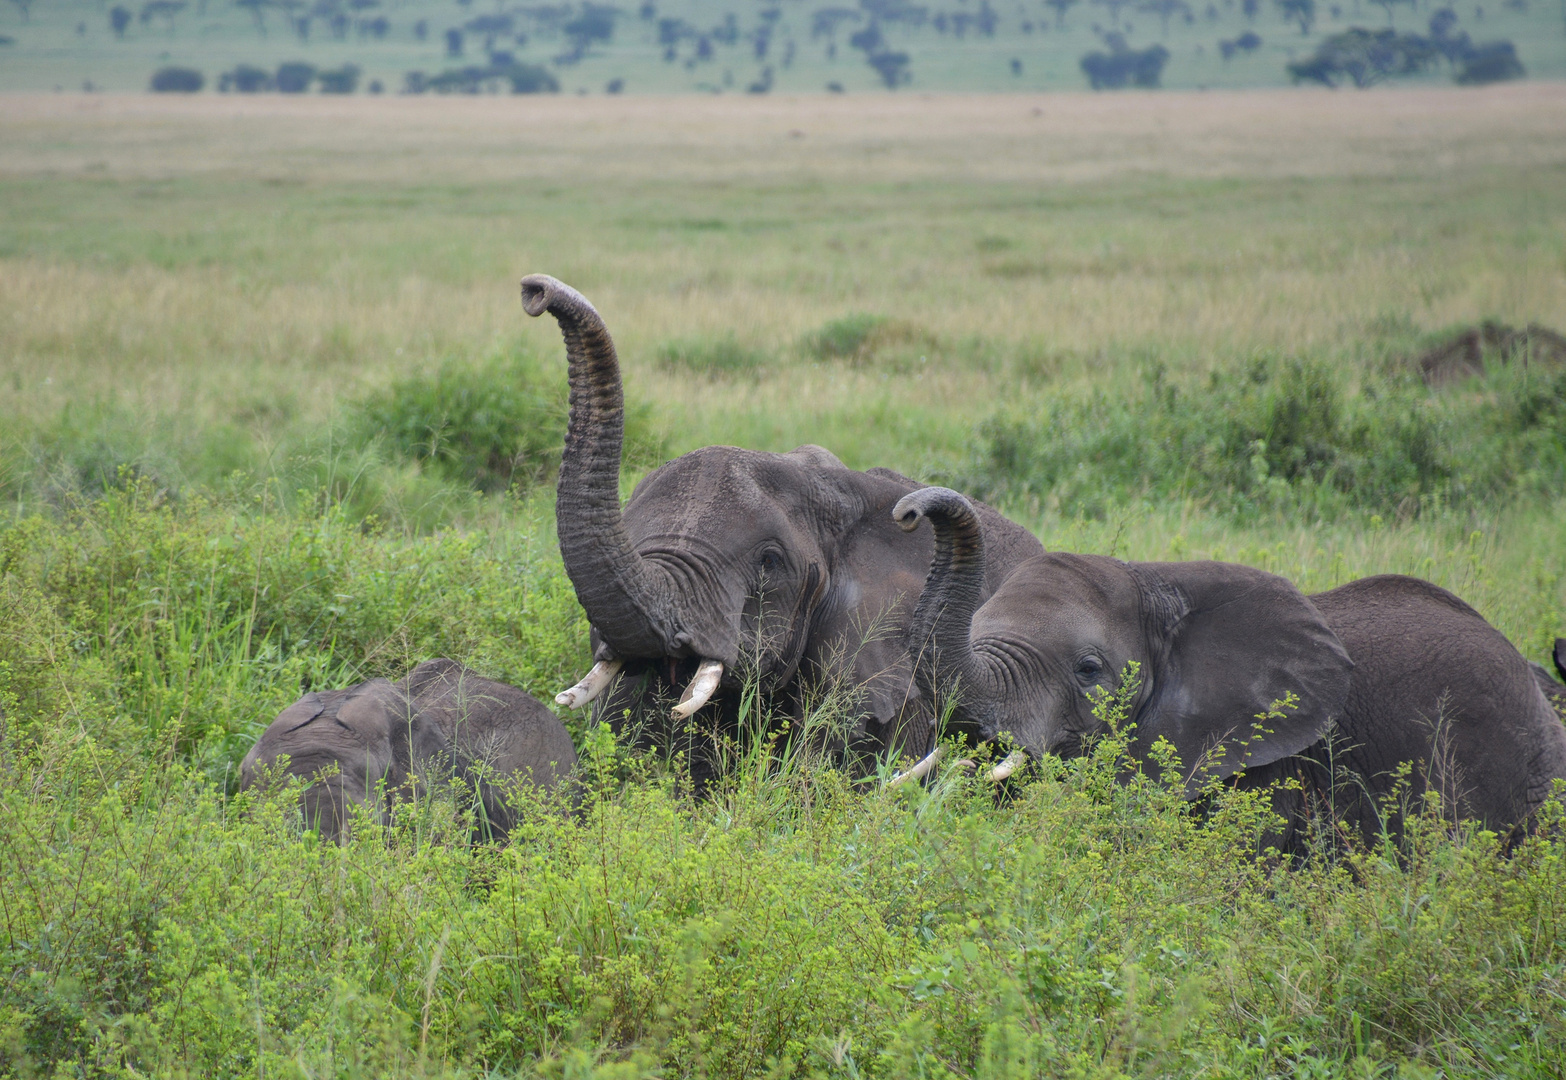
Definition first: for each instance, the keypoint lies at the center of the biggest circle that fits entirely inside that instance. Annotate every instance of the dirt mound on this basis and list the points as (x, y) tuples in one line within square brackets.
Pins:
[(1463, 356)]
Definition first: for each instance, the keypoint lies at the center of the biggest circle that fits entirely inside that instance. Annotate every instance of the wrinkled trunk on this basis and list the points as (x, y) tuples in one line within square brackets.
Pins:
[(626, 600), (940, 634)]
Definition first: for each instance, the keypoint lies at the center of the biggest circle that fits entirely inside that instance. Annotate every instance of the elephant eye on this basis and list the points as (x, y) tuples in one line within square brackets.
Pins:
[(1089, 668), (771, 562)]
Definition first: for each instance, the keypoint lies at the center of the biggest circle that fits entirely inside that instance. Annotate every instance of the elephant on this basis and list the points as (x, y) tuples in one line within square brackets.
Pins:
[(1384, 670), (387, 740), (731, 567)]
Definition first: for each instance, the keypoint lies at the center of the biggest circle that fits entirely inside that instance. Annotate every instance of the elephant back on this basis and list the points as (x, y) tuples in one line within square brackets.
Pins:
[(1436, 685)]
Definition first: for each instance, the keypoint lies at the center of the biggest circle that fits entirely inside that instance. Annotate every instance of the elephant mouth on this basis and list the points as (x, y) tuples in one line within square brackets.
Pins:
[(922, 768), (700, 677)]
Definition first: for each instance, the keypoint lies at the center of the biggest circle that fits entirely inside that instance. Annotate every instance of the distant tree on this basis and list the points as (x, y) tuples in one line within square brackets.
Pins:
[(26, 8), (1016, 67), (245, 79), (421, 30), (615, 86), (1165, 10), (343, 80), (1494, 61), (763, 85), (1251, 8), (1364, 57), (1060, 7), (532, 79), (489, 27), (891, 66), (595, 23), (119, 20), (1298, 11), (1124, 66), (453, 42), (294, 77), (177, 80)]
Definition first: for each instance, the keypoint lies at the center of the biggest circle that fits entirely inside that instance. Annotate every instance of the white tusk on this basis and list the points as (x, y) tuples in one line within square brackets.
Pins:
[(919, 770), (1014, 761), (592, 684), (701, 688)]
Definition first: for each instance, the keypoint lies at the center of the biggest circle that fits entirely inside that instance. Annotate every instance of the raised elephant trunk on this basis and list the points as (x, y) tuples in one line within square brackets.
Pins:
[(942, 648), (623, 595)]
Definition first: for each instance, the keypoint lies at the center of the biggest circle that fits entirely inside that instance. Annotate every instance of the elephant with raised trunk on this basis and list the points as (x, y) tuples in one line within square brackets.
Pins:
[(1384, 670), (731, 565)]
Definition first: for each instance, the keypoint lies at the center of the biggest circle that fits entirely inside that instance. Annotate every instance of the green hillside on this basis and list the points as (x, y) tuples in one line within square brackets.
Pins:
[(673, 46)]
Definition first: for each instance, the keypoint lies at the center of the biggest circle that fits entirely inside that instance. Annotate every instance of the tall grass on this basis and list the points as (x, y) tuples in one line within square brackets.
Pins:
[(274, 421)]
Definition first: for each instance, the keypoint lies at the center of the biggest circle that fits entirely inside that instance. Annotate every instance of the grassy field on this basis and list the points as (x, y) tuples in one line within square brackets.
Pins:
[(216, 312), (66, 44)]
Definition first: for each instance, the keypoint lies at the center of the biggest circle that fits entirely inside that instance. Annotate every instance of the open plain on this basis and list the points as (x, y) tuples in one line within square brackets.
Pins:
[(250, 349)]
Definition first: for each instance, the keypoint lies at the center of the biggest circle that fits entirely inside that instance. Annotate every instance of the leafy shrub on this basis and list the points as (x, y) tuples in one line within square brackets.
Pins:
[(1279, 433), (710, 356), (844, 337), (177, 80), (489, 425)]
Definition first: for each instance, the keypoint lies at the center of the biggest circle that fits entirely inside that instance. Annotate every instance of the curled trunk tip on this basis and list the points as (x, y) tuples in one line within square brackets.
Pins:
[(947, 510), (541, 293)]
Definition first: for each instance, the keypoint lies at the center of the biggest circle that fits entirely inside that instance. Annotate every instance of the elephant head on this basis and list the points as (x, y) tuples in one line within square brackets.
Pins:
[(376, 743), (729, 565), (1217, 644)]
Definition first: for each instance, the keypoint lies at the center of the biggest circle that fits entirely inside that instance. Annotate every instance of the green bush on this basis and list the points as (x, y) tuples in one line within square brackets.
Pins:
[(1280, 434), (845, 337), (493, 424)]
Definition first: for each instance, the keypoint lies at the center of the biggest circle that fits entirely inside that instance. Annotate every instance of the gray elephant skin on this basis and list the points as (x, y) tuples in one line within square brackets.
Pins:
[(783, 568), (383, 740), (1386, 670)]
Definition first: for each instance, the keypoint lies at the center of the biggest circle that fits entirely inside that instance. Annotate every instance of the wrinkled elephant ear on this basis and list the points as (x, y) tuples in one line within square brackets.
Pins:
[(1234, 640)]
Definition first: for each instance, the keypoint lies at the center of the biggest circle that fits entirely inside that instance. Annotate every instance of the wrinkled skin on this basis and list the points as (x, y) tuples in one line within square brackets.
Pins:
[(1385, 670), (386, 740), (786, 568)]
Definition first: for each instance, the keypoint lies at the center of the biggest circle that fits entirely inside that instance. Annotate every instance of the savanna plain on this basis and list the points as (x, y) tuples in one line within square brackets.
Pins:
[(272, 417)]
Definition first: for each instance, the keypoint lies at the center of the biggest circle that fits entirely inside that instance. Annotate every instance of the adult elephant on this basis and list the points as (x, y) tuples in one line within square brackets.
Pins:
[(733, 567), (376, 743), (1384, 670)]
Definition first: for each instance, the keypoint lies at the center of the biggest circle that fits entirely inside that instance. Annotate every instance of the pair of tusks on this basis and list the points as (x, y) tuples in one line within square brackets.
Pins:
[(1014, 761), (697, 694)]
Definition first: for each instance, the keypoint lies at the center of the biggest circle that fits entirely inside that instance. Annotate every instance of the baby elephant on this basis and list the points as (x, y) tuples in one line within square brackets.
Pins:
[(385, 739), (1384, 670)]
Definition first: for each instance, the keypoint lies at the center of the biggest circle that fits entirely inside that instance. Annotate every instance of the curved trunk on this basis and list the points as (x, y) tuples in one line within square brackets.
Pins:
[(625, 599), (942, 621)]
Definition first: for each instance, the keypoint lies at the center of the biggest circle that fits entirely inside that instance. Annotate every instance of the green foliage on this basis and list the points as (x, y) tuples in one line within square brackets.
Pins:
[(845, 337), (493, 424), (1286, 435)]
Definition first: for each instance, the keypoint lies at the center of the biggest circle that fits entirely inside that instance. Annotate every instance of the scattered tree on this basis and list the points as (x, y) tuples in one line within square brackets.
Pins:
[(119, 20), (245, 79), (1123, 65), (1060, 7), (177, 80), (343, 80), (294, 77), (1165, 10)]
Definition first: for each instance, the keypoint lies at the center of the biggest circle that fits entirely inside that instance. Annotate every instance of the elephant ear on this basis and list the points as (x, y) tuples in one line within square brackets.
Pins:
[(1229, 641)]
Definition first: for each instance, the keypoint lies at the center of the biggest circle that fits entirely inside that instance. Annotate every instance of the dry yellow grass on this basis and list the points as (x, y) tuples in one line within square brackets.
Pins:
[(986, 138)]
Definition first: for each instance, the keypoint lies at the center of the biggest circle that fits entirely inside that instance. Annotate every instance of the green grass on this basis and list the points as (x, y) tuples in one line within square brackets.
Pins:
[(273, 419)]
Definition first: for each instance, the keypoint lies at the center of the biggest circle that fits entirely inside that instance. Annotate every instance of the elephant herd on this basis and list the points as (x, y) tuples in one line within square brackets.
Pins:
[(732, 572)]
